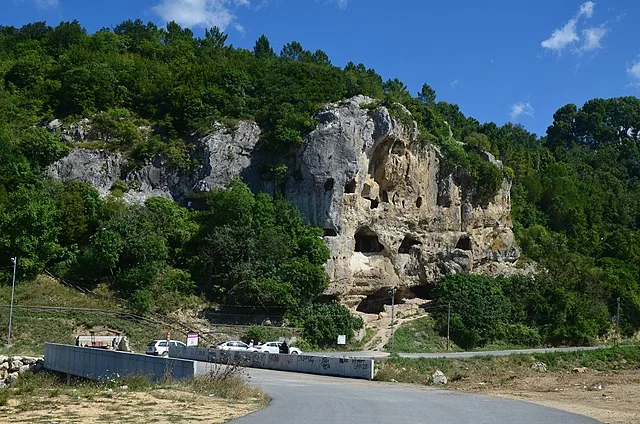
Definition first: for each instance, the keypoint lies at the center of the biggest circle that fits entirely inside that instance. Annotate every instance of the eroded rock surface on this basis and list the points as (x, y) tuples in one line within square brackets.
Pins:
[(391, 216)]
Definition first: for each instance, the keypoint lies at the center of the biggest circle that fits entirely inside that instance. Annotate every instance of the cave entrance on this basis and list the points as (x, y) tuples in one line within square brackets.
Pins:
[(407, 244), (464, 243), (374, 303), (422, 292), (350, 187), (367, 241)]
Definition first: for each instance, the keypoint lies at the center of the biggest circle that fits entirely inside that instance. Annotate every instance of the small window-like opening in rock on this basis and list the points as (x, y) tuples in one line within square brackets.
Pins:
[(350, 187), (367, 241), (403, 204), (330, 232), (418, 202), (464, 243), (328, 185), (374, 303), (374, 203), (407, 244), (384, 197)]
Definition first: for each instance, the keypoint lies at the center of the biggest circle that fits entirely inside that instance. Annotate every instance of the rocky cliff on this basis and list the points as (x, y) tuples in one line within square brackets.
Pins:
[(391, 216)]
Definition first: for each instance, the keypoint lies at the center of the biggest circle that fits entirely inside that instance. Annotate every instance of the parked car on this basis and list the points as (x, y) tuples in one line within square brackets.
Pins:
[(233, 345), (161, 347), (274, 347)]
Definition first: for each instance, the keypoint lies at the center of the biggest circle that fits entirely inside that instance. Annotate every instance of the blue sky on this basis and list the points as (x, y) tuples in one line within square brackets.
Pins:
[(500, 60)]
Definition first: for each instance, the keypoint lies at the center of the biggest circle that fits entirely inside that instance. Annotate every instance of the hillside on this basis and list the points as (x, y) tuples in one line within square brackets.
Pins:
[(150, 95)]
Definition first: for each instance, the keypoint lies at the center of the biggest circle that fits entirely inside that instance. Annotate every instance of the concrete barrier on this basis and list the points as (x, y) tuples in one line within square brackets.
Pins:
[(322, 365), (99, 364)]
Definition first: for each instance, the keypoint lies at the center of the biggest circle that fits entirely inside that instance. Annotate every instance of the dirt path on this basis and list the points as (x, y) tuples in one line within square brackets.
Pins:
[(381, 323)]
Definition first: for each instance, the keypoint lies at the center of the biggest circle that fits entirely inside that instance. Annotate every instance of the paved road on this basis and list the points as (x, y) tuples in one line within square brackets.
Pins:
[(377, 354), (310, 399)]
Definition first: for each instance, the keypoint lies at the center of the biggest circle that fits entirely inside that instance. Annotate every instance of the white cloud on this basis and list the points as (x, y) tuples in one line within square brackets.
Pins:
[(342, 4), (201, 13), (592, 38), (634, 72), (46, 4), (456, 83), (521, 108), (566, 36), (562, 37), (586, 9)]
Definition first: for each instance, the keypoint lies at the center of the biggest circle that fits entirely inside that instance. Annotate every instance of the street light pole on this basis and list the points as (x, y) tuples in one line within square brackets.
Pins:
[(13, 288), (393, 297)]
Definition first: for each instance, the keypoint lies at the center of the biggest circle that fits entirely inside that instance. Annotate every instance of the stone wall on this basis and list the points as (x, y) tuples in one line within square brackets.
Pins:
[(12, 367)]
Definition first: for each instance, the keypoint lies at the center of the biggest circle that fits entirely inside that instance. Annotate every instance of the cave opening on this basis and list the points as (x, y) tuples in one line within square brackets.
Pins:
[(384, 196), (422, 292), (374, 203), (407, 243), (328, 185), (330, 232), (464, 243), (374, 303), (350, 187), (419, 202), (367, 241)]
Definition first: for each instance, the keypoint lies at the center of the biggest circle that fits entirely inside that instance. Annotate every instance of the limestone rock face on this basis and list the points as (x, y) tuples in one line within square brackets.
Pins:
[(391, 215), (222, 156)]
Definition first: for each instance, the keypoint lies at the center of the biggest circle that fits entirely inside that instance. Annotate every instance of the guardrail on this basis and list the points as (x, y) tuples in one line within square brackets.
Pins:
[(99, 364), (322, 365)]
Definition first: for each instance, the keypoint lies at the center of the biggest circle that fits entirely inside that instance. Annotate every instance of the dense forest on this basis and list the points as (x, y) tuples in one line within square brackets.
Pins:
[(576, 192)]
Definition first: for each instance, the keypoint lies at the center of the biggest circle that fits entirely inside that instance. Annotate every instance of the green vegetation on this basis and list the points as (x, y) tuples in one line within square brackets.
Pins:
[(418, 336), (149, 91), (490, 369)]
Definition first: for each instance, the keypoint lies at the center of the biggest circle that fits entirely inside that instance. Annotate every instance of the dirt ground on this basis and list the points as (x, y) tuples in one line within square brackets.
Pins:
[(610, 397), (157, 406)]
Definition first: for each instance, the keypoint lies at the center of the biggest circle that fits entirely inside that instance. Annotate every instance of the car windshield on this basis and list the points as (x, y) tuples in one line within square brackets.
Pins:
[(151, 343)]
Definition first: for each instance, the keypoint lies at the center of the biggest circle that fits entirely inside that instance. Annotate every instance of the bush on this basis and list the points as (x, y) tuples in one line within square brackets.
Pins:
[(478, 308), (521, 335), (322, 324)]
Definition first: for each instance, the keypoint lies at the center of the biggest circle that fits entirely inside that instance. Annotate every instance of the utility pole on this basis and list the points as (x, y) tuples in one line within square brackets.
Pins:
[(618, 318), (13, 288), (448, 323), (393, 297)]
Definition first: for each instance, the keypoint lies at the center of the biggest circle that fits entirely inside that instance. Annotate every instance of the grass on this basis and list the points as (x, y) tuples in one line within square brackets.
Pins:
[(419, 336), (419, 371), (43, 390), (31, 328)]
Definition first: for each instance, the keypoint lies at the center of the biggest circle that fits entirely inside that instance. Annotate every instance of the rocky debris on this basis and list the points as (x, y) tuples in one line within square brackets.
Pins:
[(11, 367), (539, 366), (580, 370), (438, 377), (390, 214)]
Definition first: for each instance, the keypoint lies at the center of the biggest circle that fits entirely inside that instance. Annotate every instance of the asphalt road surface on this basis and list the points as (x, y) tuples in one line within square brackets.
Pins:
[(311, 399)]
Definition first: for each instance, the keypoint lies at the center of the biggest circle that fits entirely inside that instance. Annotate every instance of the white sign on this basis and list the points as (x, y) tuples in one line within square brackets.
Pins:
[(342, 339), (192, 339)]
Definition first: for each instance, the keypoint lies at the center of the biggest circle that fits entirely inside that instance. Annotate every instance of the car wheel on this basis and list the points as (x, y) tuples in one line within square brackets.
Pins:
[(265, 351), (294, 353), (166, 353)]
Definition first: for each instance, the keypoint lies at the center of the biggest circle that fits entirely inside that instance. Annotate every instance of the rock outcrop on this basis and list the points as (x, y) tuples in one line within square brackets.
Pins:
[(391, 216), (12, 367)]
